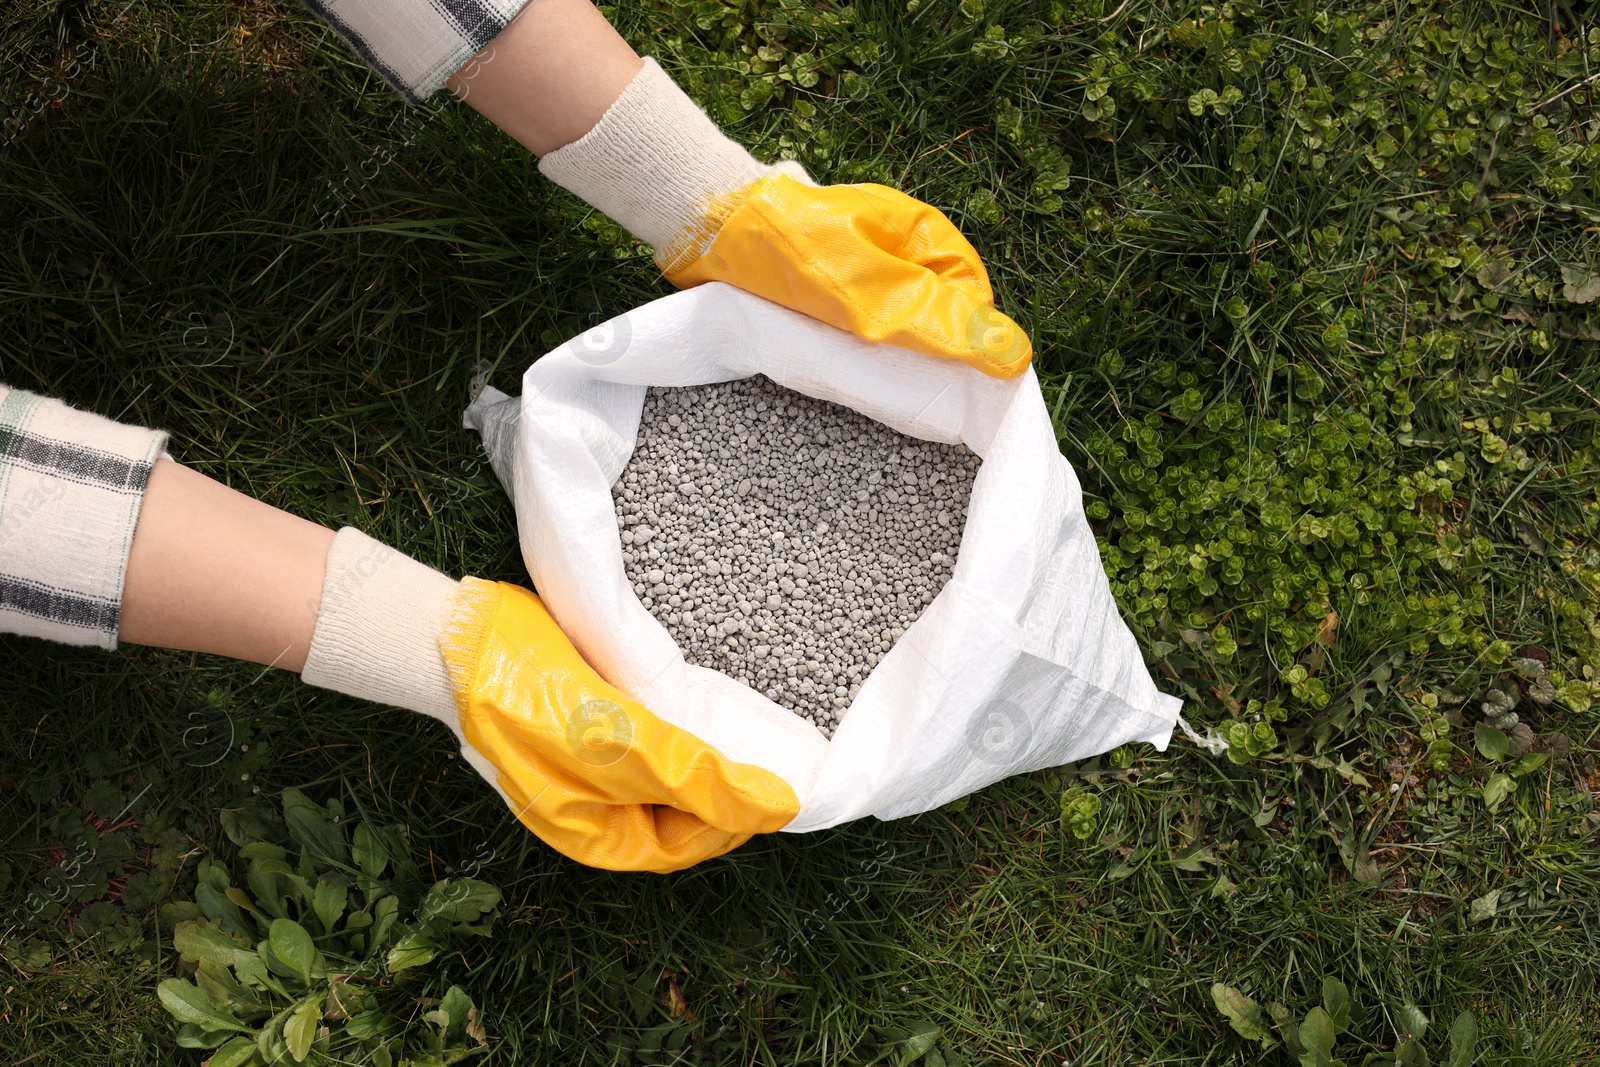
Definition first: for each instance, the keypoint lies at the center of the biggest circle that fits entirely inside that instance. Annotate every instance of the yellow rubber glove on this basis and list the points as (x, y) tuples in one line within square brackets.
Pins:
[(590, 771), (864, 258)]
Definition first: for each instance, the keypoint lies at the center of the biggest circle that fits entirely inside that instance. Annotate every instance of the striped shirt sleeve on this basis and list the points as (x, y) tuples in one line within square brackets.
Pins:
[(71, 483), (416, 44)]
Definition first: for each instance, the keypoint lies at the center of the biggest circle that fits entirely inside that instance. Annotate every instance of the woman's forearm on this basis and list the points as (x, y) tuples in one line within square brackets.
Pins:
[(550, 75), (213, 570)]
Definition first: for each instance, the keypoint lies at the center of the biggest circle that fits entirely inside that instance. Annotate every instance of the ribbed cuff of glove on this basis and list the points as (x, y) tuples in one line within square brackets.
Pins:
[(378, 628), (655, 163)]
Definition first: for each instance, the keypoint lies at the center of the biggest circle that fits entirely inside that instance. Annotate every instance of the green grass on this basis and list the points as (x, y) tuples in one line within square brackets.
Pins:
[(1267, 332)]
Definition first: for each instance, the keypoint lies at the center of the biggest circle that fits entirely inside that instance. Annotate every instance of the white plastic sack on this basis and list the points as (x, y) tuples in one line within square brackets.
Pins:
[(1020, 663)]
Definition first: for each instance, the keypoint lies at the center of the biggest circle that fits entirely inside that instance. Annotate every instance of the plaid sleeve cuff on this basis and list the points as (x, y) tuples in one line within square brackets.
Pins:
[(415, 45), (71, 483)]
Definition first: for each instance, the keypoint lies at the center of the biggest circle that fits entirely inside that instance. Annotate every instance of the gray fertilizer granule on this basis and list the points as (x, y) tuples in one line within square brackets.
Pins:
[(784, 541)]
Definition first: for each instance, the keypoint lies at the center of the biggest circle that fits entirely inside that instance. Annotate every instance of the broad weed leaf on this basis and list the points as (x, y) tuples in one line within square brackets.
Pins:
[(1580, 284), (212, 873), (280, 881), (923, 1036), (1243, 1014), (457, 1004), (174, 912), (368, 1024), (270, 1045), (201, 941), (1318, 1058), (459, 900), (1336, 1001), (1492, 744), (329, 901), (242, 900), (245, 826), (262, 850), (370, 851), (384, 913), (1287, 1027), (274, 965), (191, 1035), (238, 1052), (1528, 762), (301, 1029), (314, 831), (412, 950), (223, 988), (292, 945), (1412, 1022), (217, 906), (265, 887), (1496, 789), (188, 1003), (1316, 1033), (254, 972), (1463, 1040)]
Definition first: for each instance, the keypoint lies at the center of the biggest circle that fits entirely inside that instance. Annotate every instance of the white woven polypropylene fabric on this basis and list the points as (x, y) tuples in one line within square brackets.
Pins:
[(1020, 663)]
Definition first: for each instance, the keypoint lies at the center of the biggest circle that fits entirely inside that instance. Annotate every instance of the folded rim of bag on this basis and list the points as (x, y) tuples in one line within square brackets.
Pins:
[(1021, 662)]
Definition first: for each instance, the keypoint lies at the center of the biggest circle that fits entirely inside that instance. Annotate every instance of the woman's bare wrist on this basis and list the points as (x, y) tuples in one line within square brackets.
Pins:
[(550, 75)]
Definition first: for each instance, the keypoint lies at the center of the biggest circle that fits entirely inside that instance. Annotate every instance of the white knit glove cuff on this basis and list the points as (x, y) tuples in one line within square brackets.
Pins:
[(655, 161), (378, 627)]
